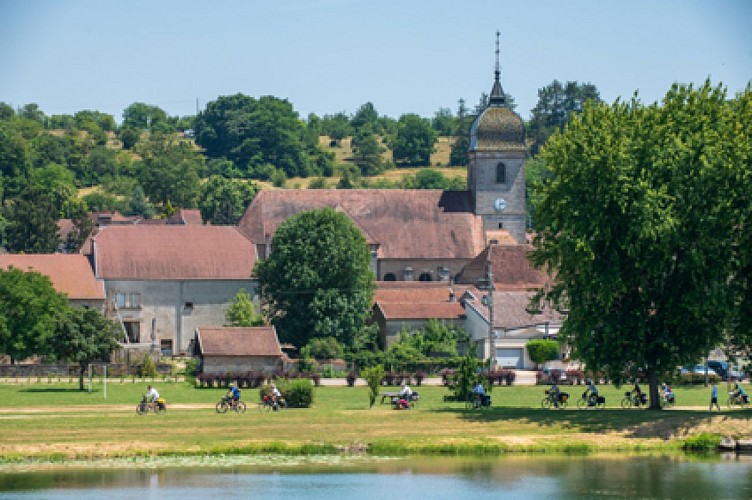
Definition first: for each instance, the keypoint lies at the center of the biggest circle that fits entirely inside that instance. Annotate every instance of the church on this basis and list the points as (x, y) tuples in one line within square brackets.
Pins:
[(425, 235)]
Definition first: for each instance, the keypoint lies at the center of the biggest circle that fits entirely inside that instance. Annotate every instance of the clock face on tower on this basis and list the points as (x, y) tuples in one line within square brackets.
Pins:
[(500, 204)]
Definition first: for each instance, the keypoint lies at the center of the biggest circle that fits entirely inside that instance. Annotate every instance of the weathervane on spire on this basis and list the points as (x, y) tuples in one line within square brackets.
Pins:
[(497, 94)]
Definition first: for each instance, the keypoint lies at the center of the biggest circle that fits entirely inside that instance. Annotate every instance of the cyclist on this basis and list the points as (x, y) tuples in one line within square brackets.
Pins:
[(479, 393), (637, 395), (234, 394), (593, 390), (554, 393), (739, 392), (151, 397), (668, 394), (276, 396)]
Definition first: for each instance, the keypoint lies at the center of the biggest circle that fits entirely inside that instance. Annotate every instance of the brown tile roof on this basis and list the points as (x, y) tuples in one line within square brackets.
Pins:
[(173, 252), (238, 341), (421, 310), (411, 292), (71, 274), (510, 310), (405, 223), (510, 267)]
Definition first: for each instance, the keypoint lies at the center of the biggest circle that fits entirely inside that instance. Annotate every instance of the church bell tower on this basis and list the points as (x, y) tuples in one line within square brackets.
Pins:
[(496, 167)]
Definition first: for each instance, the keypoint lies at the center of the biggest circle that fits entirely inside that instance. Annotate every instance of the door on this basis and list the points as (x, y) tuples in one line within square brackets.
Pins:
[(511, 357)]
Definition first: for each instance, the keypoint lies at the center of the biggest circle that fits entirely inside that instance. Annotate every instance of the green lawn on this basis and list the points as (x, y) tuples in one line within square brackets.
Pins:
[(58, 420)]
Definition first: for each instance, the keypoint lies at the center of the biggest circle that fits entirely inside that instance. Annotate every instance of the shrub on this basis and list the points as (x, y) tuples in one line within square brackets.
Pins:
[(147, 368), (298, 393), (191, 367), (373, 376), (542, 350), (702, 442)]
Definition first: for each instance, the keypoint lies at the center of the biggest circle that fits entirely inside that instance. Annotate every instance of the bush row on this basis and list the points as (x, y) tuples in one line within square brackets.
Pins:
[(253, 378)]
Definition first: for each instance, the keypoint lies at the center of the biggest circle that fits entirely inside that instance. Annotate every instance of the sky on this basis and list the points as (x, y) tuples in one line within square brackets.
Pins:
[(328, 56)]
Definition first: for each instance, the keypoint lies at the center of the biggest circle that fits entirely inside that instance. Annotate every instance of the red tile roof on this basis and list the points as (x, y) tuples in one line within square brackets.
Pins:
[(411, 292), (173, 252), (405, 223), (421, 310), (510, 267), (71, 274), (510, 310), (238, 341)]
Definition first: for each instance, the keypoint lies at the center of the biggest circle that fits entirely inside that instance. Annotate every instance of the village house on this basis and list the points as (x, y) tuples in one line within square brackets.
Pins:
[(162, 281)]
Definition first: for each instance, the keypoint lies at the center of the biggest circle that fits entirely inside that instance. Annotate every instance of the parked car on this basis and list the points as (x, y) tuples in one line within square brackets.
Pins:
[(724, 370), (698, 370)]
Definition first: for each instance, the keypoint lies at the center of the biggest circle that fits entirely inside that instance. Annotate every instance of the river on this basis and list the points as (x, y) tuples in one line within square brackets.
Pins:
[(526, 476)]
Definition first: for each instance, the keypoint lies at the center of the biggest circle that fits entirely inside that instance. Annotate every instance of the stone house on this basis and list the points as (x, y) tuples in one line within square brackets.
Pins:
[(237, 349), (162, 281)]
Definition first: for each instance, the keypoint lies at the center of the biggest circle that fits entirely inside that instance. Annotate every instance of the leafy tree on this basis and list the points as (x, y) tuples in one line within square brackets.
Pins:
[(223, 201), (32, 112), (82, 225), (337, 126), (542, 350), (556, 104), (444, 122), (170, 170), (142, 116), (324, 348), (241, 311), (317, 281), (414, 142), (32, 223), (641, 221), (318, 183), (255, 133), (365, 116), (6, 111), (82, 336), (129, 137), (29, 311), (140, 205), (100, 201), (56, 183), (15, 158), (94, 120), (428, 178), (367, 152), (373, 376)]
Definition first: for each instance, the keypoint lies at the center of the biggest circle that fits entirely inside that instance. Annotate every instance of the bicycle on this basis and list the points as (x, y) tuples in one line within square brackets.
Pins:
[(736, 399), (226, 403), (268, 404), (637, 400), (668, 400), (548, 401), (587, 402), (145, 407)]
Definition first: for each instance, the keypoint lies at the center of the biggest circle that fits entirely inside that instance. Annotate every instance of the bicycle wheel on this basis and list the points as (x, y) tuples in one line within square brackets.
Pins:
[(730, 403), (626, 403), (281, 404), (600, 404), (221, 407), (159, 409), (469, 405), (582, 403), (141, 409), (545, 403), (240, 408), (563, 404)]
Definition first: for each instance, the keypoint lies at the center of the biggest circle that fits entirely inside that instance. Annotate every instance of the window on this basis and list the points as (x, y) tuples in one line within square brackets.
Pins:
[(165, 346), (390, 277), (443, 273), (120, 300), (424, 277), (408, 274), (128, 300), (501, 174), (132, 331)]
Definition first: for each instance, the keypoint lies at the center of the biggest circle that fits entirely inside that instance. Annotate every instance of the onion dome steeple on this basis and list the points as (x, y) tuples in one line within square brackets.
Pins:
[(497, 97)]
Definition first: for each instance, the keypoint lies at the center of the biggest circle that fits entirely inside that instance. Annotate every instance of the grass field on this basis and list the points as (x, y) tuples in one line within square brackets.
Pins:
[(58, 421)]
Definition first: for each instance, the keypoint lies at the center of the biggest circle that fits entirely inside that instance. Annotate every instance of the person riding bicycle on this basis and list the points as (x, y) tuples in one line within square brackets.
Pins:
[(276, 396), (234, 394), (637, 395), (593, 390), (668, 394), (479, 393), (555, 394), (739, 393), (151, 397)]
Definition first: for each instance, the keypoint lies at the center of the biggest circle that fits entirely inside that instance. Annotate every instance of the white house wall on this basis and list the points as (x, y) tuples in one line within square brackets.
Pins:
[(168, 303)]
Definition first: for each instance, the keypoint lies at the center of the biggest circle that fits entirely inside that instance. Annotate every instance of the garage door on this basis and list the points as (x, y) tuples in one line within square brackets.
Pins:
[(510, 358)]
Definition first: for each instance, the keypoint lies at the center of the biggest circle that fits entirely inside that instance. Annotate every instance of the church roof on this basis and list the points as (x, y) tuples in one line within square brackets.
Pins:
[(510, 267), (404, 223)]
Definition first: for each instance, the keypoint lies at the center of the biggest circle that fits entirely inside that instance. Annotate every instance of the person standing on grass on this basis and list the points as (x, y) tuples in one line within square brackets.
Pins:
[(714, 397)]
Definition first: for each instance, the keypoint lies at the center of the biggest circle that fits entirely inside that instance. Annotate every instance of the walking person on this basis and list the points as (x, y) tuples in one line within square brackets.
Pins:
[(714, 397)]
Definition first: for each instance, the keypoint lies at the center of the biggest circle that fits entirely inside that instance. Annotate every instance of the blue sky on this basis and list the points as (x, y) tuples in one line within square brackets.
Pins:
[(327, 56)]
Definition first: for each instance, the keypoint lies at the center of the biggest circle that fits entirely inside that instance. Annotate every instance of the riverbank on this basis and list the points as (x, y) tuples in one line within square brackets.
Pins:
[(58, 424)]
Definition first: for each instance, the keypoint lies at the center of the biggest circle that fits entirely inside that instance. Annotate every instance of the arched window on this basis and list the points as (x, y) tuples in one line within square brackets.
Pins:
[(390, 277), (501, 174), (425, 277)]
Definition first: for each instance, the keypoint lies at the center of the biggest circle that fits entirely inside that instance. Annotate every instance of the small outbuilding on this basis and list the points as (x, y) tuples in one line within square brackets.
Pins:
[(237, 349)]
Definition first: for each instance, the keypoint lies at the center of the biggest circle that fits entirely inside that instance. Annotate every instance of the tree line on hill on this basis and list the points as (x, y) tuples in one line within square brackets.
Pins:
[(153, 163)]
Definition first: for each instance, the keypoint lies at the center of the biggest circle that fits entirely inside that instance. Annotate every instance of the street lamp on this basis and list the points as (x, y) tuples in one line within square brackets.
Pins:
[(488, 302)]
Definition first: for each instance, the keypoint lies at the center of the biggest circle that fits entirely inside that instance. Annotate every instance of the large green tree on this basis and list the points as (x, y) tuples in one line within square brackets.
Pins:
[(82, 336), (640, 222), (29, 310), (223, 201), (242, 312), (317, 282), (367, 152), (32, 223), (414, 142), (557, 102)]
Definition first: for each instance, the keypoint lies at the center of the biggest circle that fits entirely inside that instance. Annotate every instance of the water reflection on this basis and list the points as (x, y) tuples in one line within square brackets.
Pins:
[(510, 477)]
